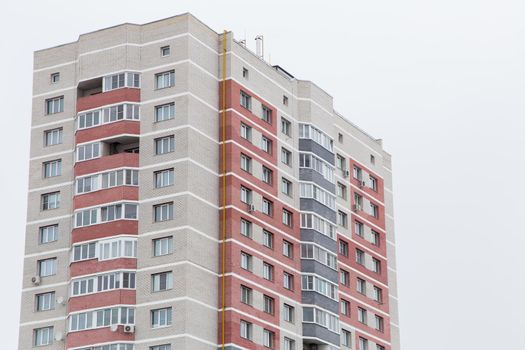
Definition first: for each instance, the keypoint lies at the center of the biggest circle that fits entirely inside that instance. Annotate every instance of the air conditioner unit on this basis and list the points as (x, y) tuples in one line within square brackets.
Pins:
[(114, 327), (363, 183), (129, 328), (360, 183), (356, 207), (36, 280), (251, 208), (60, 300), (346, 173), (59, 336)]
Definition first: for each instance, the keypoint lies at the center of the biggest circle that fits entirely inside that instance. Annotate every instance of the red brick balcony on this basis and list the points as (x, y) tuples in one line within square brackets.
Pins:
[(106, 98)]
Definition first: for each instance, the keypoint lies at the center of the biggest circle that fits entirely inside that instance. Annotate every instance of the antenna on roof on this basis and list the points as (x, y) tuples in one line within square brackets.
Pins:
[(259, 46)]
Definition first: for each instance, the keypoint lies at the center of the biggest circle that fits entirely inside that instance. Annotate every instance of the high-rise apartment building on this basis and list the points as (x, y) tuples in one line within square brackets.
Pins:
[(158, 149)]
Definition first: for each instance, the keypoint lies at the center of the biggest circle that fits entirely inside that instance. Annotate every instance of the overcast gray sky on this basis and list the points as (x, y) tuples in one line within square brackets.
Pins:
[(441, 81)]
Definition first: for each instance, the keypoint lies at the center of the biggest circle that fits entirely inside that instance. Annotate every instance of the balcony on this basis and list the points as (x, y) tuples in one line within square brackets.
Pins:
[(91, 95), (127, 158)]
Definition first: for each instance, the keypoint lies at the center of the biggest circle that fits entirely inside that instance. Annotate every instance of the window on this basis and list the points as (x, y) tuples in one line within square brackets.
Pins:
[(363, 344), (358, 173), (376, 265), (315, 252), (165, 145), (266, 114), (289, 344), (111, 114), (345, 307), (378, 294), (344, 277), (118, 248), (164, 178), (156, 347), (84, 251), (104, 282), (55, 78), (266, 145), (286, 187), (375, 238), (373, 183), (286, 156), (45, 301), (341, 190), (246, 163), (246, 261), (246, 132), (310, 190), (372, 159), (52, 168), (162, 246), (285, 100), (342, 219), (53, 137), (246, 228), (55, 105), (245, 73), (120, 80), (268, 338), (287, 249), (310, 161), (359, 256), (43, 336), (287, 281), (163, 212), (319, 285), (379, 323), (267, 207), (307, 131), (124, 211), (340, 138), (361, 286), (101, 318), (361, 315), (269, 305), (165, 79), (246, 330), (286, 127), (47, 267), (287, 218), (268, 239), (314, 222), (88, 151), (268, 272), (48, 234), (161, 317), (162, 281), (267, 175), (246, 295), (246, 100), (246, 195), (340, 163), (374, 210), (322, 318), (164, 112), (380, 347), (343, 248), (359, 228), (51, 201), (165, 51), (346, 338), (288, 313)]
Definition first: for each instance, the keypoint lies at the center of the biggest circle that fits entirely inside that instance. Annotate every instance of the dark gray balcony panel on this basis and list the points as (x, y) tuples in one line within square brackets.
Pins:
[(317, 149), (310, 235), (311, 175), (314, 266), (314, 298), (309, 204), (315, 331)]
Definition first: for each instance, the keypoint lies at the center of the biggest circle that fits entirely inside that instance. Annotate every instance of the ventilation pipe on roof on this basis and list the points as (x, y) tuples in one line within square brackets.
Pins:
[(259, 46)]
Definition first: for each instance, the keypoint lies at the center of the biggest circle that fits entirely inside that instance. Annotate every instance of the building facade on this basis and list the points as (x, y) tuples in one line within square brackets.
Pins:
[(185, 194)]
